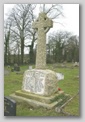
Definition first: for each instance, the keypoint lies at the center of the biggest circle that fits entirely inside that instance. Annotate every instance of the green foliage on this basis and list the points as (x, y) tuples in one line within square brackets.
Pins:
[(70, 85)]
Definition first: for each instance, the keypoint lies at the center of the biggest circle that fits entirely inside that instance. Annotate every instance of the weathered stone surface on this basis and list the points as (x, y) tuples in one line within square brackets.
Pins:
[(43, 99), (76, 64), (43, 82), (42, 25), (16, 67), (34, 103), (60, 76), (38, 100), (9, 107)]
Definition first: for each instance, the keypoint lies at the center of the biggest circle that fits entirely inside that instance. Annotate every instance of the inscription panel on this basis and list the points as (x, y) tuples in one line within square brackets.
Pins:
[(34, 81)]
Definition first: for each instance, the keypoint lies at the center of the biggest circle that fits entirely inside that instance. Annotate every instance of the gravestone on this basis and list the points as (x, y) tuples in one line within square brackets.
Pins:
[(16, 67), (30, 67), (9, 107), (76, 64), (8, 66), (60, 76), (40, 85)]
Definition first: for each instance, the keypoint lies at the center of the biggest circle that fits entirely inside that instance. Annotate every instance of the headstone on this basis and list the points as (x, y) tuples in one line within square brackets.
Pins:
[(42, 25), (8, 66), (9, 107), (76, 64), (12, 69), (16, 67), (30, 67), (60, 76), (63, 65)]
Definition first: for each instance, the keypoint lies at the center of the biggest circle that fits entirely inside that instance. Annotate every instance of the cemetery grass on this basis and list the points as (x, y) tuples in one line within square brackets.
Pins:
[(70, 85)]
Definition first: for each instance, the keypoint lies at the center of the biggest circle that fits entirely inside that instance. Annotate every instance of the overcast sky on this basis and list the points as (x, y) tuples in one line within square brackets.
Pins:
[(70, 21)]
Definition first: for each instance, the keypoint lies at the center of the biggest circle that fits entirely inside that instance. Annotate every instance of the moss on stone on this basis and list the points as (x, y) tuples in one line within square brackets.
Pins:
[(40, 98)]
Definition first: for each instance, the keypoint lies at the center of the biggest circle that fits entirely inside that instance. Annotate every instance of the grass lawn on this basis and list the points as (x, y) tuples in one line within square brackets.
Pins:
[(69, 85)]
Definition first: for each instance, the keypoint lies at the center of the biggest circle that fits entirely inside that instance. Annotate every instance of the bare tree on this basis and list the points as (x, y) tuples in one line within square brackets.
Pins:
[(53, 11), (57, 46), (21, 17), (7, 35), (21, 22), (73, 48)]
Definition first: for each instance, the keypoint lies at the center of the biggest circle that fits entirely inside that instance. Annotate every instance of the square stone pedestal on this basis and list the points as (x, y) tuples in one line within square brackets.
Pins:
[(38, 100), (39, 88)]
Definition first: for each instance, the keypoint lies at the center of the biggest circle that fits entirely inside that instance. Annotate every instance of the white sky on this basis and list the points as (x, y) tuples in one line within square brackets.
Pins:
[(70, 21)]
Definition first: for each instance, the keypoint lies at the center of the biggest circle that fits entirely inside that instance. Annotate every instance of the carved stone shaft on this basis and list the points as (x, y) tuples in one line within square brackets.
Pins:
[(42, 25)]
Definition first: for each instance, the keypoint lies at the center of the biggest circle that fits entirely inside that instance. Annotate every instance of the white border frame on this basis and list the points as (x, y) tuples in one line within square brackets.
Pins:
[(82, 65)]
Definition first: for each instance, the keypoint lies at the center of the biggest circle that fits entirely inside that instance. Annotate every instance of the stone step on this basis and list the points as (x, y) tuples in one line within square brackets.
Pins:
[(41, 98), (35, 103)]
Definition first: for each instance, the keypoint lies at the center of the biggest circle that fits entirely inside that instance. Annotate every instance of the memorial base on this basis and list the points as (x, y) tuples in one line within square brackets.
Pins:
[(40, 82), (38, 100)]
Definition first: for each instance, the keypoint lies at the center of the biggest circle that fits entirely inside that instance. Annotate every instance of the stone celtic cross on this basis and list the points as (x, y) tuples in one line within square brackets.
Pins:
[(42, 25)]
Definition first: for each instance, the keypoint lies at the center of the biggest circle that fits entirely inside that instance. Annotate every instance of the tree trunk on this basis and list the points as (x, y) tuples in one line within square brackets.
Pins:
[(22, 50), (7, 46), (5, 56), (31, 54), (9, 58)]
